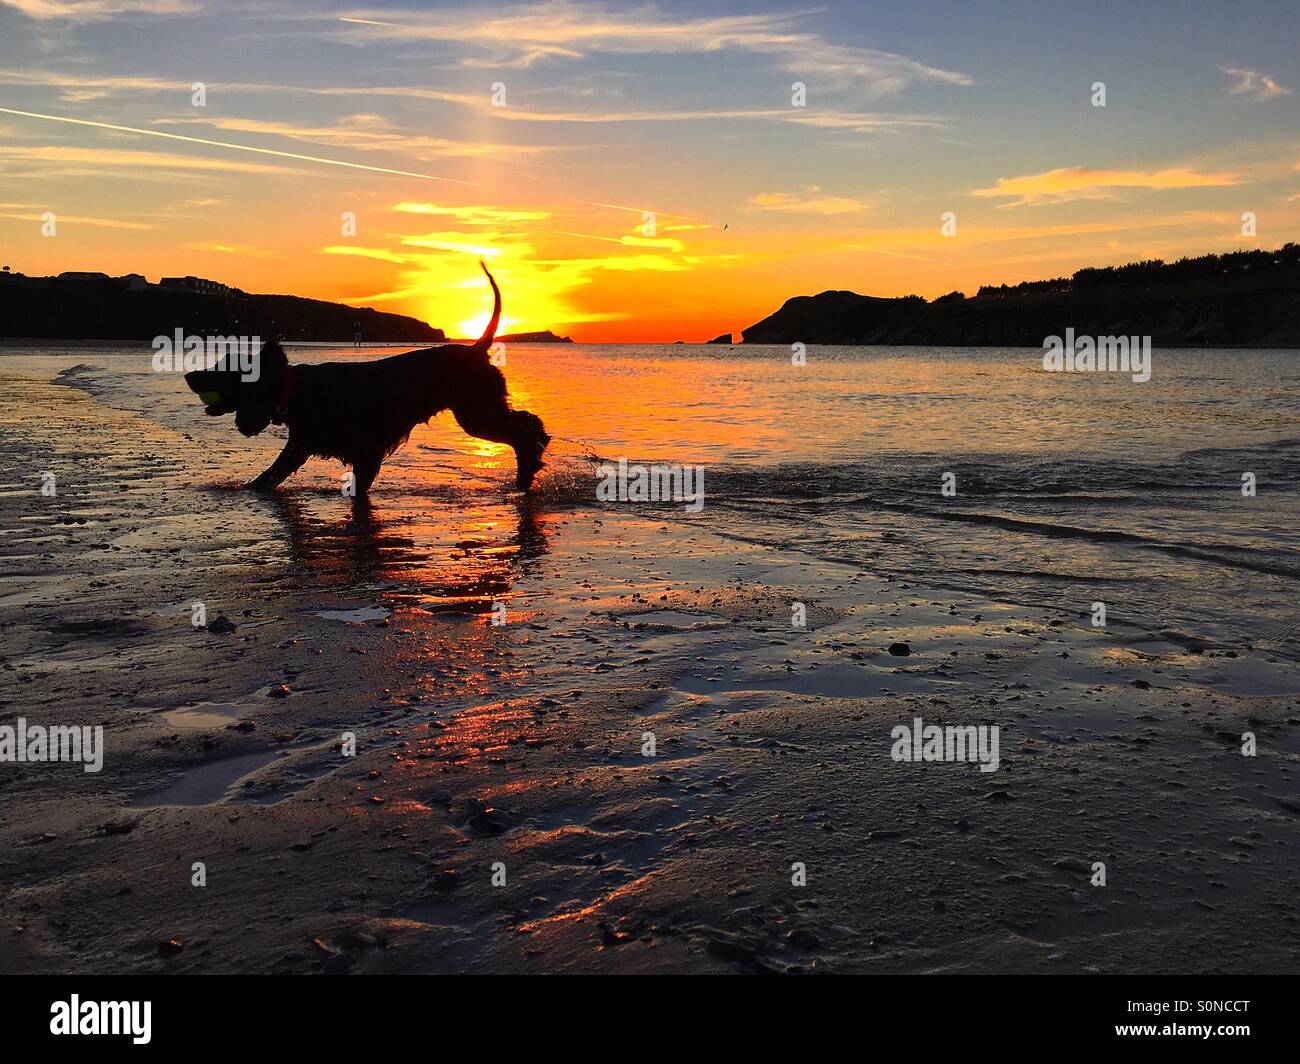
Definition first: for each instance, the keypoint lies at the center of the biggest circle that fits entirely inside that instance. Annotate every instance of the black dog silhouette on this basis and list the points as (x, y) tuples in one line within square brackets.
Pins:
[(361, 412)]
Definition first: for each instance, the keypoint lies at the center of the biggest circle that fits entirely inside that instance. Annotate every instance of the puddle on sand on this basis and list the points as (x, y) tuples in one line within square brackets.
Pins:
[(208, 783), (674, 618), (675, 704), (203, 715), (361, 616)]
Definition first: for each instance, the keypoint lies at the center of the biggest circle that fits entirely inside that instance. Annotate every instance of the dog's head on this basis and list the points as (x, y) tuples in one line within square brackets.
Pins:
[(529, 439), (252, 397)]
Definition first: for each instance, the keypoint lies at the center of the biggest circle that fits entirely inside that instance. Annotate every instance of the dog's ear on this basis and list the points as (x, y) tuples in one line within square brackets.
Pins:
[(271, 362), (272, 354)]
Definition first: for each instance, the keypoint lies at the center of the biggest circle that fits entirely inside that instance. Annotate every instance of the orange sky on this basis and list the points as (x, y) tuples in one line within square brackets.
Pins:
[(643, 173)]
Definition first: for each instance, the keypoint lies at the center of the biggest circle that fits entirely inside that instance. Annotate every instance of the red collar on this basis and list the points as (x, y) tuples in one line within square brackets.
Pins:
[(286, 390)]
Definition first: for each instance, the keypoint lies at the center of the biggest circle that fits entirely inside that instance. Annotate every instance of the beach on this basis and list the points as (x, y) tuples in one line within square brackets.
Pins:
[(411, 734)]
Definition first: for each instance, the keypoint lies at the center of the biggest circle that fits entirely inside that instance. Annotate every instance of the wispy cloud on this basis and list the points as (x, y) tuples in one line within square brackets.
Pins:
[(473, 215), (98, 10), (1254, 85), (125, 159), (227, 144), (891, 254), (540, 265), (810, 201), (79, 219), (83, 87), (620, 263), (246, 251), (854, 121), (363, 132), (666, 243), (560, 30), (482, 245), (1080, 182), (381, 254)]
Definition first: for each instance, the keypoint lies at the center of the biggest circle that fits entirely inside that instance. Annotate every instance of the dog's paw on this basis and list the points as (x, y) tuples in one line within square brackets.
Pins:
[(263, 487)]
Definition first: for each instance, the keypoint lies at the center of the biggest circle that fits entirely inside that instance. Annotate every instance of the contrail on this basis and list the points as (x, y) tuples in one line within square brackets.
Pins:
[(291, 155), (234, 147)]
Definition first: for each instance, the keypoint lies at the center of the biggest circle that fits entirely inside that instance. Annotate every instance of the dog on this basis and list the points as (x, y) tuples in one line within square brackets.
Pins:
[(361, 412)]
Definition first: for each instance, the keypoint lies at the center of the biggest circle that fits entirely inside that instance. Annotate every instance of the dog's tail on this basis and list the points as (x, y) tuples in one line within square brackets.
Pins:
[(485, 341)]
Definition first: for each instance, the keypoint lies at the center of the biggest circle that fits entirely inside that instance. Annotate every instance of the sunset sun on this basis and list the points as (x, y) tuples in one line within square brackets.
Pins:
[(475, 326)]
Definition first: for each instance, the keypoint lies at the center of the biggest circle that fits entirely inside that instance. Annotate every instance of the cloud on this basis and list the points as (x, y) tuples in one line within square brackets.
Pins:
[(666, 243), (228, 144), (808, 202), (382, 254), (480, 245), (527, 34), (362, 132), (873, 122), (77, 219), (1254, 85), (891, 254), (128, 160), (859, 122), (1080, 182), (474, 215), (542, 271), (368, 131), (243, 250), (98, 10), (83, 87), (619, 264)]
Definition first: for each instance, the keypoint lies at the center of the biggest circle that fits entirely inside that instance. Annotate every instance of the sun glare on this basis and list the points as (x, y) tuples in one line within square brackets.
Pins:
[(472, 327)]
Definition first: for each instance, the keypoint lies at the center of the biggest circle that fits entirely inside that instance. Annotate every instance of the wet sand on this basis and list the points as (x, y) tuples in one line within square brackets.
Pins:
[(520, 746)]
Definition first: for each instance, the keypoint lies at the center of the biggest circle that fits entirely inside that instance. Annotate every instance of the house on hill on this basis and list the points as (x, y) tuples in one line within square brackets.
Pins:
[(201, 285)]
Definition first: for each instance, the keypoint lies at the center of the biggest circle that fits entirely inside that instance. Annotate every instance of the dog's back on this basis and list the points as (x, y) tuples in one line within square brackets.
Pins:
[(350, 410)]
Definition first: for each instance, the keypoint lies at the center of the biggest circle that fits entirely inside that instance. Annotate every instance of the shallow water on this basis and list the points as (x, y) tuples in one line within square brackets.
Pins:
[(1070, 489)]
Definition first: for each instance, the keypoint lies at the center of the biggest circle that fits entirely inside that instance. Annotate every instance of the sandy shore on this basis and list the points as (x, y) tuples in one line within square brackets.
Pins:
[(519, 748)]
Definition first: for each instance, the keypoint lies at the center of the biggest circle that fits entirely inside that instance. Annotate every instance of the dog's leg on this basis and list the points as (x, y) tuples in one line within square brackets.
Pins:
[(364, 471), (285, 466)]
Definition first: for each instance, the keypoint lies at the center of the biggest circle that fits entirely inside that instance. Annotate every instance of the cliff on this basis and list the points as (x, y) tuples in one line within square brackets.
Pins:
[(1241, 299), (54, 308)]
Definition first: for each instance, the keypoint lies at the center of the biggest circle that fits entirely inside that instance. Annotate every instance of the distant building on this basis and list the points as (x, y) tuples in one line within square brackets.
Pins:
[(78, 275), (134, 281), (196, 284)]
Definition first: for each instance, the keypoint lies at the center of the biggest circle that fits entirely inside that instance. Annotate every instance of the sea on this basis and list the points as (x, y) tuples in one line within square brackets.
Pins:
[(1174, 502)]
